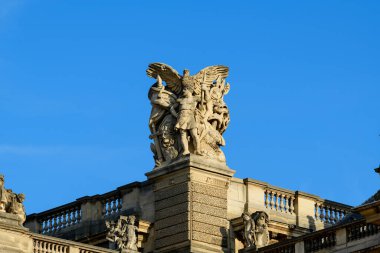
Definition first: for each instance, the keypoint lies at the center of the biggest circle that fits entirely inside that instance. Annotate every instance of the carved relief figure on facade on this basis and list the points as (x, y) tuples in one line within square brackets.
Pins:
[(256, 229), (123, 233), (11, 202), (188, 115), (3, 195)]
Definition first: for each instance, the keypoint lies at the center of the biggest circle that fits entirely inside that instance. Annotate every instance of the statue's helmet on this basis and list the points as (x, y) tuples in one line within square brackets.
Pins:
[(21, 197)]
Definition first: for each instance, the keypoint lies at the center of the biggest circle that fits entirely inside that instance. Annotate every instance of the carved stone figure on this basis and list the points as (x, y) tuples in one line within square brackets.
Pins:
[(18, 208), (256, 229), (188, 113), (249, 230), (123, 233), (11, 202), (3, 195)]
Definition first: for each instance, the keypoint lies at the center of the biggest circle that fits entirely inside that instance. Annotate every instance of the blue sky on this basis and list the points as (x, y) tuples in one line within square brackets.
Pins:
[(304, 97)]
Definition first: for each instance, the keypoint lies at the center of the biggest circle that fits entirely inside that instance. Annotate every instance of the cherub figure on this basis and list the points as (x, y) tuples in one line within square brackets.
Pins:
[(249, 229)]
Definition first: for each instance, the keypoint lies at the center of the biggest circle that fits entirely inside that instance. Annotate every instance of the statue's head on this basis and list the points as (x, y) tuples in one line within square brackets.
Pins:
[(262, 218), (246, 216), (21, 197), (187, 92), (1, 179), (132, 219), (186, 72)]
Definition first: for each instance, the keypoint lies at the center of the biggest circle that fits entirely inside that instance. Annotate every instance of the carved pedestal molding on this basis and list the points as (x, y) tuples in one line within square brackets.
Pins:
[(191, 205)]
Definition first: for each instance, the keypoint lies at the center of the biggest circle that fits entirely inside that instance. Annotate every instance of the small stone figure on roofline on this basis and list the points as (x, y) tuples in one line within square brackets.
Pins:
[(256, 229), (123, 233), (11, 202)]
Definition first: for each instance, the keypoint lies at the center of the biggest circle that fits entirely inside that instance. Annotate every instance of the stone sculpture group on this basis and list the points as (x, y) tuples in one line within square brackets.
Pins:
[(188, 114), (255, 229), (11, 202), (123, 233)]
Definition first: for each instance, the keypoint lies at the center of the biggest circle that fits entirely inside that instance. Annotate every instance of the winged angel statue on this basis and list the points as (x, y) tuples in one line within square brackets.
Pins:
[(188, 113)]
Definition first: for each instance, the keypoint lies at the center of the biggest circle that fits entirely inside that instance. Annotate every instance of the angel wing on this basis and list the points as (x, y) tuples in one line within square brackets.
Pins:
[(208, 75), (168, 74)]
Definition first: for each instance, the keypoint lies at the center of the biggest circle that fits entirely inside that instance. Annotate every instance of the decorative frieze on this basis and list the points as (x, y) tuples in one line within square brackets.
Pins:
[(209, 229), (207, 238), (205, 218), (209, 200), (209, 190), (210, 210)]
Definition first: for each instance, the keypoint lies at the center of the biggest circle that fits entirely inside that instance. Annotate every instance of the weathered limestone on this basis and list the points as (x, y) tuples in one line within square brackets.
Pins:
[(188, 114), (12, 203), (191, 206), (123, 233)]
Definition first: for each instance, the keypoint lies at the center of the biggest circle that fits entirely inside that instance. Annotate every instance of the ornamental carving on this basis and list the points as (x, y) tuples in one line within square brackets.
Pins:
[(255, 229), (123, 233), (11, 202), (188, 113)]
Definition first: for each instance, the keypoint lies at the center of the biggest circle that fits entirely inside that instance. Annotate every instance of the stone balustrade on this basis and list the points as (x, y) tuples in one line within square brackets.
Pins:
[(85, 211), (66, 216), (47, 244), (329, 211), (350, 237), (112, 204), (300, 211), (279, 200), (359, 230)]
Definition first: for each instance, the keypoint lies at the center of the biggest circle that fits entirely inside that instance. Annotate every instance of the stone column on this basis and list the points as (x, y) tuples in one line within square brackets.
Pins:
[(191, 205)]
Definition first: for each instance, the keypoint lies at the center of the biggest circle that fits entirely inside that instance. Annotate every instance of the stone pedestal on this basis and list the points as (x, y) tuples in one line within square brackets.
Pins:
[(191, 205), (13, 237)]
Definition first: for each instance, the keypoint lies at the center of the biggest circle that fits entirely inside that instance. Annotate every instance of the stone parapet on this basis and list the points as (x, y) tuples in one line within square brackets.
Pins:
[(14, 238)]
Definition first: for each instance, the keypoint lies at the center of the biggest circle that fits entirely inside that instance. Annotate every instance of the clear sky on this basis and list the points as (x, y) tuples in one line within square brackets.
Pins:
[(304, 97)]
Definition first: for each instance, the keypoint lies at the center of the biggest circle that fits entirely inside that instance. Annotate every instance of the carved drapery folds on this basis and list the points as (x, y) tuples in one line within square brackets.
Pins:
[(123, 233), (256, 229), (11, 202), (188, 114)]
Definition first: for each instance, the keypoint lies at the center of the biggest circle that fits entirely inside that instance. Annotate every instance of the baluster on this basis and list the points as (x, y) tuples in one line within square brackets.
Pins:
[(120, 205), (285, 204), (63, 219), (59, 217), (74, 216), (321, 212), (109, 208), (50, 224), (316, 211), (328, 214), (276, 201), (79, 214), (331, 215), (55, 223), (291, 204), (113, 206), (266, 196), (70, 219), (335, 215), (280, 202)]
